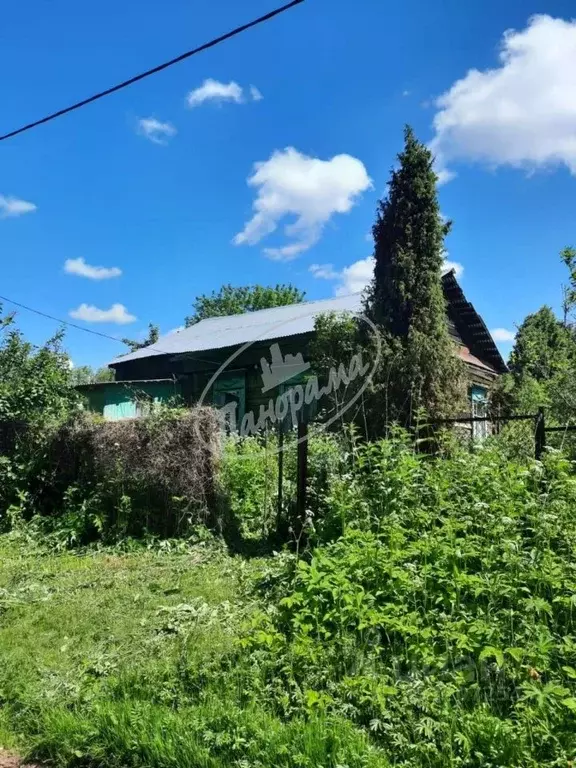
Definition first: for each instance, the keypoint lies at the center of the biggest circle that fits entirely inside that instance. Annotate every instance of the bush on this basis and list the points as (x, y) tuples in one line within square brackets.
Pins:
[(248, 484), (442, 621), (94, 479)]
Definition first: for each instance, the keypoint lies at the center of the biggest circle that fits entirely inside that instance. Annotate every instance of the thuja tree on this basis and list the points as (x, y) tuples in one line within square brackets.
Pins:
[(420, 371)]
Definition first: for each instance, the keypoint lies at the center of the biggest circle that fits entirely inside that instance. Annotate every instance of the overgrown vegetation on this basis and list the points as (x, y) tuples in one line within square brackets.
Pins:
[(420, 612), (543, 360), (430, 622)]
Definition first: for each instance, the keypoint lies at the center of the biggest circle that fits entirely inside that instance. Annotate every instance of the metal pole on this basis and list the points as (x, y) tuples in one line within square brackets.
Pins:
[(280, 476), (302, 472), (540, 434)]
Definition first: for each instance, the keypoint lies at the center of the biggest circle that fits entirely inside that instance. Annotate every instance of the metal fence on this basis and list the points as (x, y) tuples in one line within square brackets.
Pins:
[(538, 420)]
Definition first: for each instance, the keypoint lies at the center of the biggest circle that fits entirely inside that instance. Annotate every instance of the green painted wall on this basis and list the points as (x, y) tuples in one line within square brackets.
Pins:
[(118, 400)]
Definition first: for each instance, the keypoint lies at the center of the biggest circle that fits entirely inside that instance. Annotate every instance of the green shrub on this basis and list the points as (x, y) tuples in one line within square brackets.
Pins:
[(442, 621)]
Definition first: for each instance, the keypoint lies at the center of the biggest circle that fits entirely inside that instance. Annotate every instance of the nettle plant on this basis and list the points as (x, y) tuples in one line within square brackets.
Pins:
[(442, 621)]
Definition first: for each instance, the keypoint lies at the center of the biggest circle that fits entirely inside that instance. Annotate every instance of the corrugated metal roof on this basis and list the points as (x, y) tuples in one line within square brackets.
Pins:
[(233, 330)]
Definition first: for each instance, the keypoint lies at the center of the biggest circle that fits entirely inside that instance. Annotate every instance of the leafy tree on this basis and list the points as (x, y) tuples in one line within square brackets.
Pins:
[(235, 300), (568, 257), (34, 381), (543, 360), (151, 338), (406, 301), (543, 347), (84, 374)]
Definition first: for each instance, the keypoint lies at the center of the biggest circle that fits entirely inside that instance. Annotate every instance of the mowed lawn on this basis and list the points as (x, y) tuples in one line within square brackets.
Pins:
[(70, 623)]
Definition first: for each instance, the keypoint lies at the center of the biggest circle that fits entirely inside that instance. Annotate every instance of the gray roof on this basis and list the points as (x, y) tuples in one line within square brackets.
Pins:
[(233, 330)]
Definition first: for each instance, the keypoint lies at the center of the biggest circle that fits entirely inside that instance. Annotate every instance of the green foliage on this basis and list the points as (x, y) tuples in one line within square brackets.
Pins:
[(248, 487), (337, 338), (544, 347), (87, 479), (568, 258), (151, 338), (543, 360), (406, 301), (248, 482), (442, 621), (432, 626), (84, 374), (34, 381), (35, 394), (111, 658), (232, 300)]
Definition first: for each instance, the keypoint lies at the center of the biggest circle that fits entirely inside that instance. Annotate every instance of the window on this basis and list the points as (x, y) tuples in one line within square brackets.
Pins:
[(479, 398)]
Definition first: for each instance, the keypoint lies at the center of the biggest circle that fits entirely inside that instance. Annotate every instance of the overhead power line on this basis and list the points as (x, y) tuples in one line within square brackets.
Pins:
[(89, 330), (153, 71), (59, 320)]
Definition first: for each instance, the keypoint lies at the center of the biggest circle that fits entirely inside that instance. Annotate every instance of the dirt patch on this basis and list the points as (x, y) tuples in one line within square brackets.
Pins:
[(8, 760)]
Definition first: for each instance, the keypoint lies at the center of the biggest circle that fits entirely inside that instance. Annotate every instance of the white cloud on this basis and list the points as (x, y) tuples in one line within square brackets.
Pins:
[(117, 314), (520, 114), (458, 268), (255, 94), (157, 132), (175, 330), (312, 190), (356, 277), (213, 90), (503, 335), (81, 268), (10, 207), (351, 279), (324, 271)]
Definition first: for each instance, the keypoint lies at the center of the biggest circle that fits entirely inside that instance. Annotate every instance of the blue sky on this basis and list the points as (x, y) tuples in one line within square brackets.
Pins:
[(163, 201)]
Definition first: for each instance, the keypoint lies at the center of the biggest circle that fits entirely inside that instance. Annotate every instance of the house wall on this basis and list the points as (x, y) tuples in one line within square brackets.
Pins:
[(240, 379), (116, 401)]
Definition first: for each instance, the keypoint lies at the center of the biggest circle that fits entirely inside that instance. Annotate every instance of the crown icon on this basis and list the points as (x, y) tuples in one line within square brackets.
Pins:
[(282, 368)]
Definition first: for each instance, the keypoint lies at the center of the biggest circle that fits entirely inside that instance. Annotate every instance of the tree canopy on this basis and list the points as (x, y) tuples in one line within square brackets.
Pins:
[(406, 299), (151, 338), (235, 300), (85, 374), (35, 382)]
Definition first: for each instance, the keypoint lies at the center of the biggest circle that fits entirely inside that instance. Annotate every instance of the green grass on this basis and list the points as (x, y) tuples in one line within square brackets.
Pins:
[(113, 659), (70, 623)]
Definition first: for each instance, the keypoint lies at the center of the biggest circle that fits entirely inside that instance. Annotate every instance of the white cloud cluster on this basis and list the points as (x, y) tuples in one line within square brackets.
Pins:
[(10, 207), (290, 183), (214, 90), (117, 314), (352, 279), (156, 131), (324, 271), (357, 276), (520, 114), (82, 269), (503, 335)]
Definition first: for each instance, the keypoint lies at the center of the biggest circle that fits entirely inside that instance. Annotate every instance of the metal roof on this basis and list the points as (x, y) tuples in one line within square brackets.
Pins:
[(233, 330), (123, 383)]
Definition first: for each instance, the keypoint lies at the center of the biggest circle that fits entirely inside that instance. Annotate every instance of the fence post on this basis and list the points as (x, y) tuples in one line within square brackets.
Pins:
[(540, 434), (280, 476), (302, 472)]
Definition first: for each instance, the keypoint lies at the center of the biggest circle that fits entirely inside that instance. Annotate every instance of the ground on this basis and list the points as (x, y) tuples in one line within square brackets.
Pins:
[(70, 621)]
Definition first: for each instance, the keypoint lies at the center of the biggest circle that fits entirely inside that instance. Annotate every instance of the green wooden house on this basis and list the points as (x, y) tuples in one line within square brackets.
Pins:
[(224, 360)]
